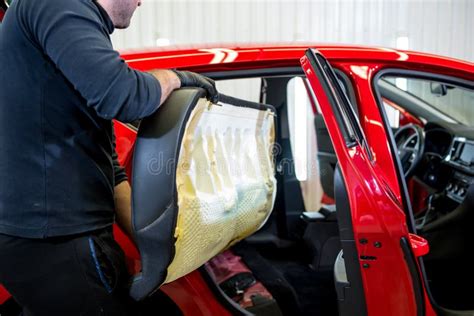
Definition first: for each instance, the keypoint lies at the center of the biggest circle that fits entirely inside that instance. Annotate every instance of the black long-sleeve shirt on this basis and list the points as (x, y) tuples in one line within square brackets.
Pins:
[(61, 85)]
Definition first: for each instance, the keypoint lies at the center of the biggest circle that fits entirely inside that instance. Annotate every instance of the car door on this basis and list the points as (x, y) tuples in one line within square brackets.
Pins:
[(377, 273)]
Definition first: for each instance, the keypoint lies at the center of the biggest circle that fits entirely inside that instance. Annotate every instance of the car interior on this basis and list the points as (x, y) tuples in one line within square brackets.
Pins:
[(433, 126)]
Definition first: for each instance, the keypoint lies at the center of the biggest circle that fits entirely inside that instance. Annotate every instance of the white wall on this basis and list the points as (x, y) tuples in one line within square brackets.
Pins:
[(443, 27)]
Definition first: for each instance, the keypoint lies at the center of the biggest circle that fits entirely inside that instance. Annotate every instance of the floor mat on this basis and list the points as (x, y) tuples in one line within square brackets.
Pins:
[(315, 290), (298, 289), (271, 278)]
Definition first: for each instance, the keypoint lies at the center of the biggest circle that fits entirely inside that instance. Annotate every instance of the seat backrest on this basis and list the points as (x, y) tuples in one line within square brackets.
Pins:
[(202, 179), (326, 156)]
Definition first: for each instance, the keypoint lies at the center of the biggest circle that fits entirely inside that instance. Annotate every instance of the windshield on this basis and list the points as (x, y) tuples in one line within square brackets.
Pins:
[(450, 102)]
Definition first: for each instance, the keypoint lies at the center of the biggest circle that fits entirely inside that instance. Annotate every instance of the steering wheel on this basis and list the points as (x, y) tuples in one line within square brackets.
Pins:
[(410, 142)]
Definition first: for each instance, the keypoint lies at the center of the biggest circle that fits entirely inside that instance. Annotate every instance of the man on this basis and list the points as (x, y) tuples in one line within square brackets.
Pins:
[(60, 183)]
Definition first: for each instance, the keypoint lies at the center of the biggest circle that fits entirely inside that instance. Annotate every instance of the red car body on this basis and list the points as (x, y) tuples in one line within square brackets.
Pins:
[(378, 208)]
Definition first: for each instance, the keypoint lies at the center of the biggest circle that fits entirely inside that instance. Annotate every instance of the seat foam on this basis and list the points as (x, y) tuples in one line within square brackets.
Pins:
[(225, 181)]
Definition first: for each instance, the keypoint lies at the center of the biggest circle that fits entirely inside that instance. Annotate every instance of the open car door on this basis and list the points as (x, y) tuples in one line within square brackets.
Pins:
[(377, 272)]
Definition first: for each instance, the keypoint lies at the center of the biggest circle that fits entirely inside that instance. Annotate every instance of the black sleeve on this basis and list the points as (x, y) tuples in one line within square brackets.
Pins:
[(73, 35), (119, 171)]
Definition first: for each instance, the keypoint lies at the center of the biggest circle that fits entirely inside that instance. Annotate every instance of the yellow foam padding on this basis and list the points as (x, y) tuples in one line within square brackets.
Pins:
[(225, 182)]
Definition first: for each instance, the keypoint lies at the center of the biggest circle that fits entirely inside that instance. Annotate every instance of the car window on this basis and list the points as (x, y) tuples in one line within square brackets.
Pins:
[(301, 131), (393, 114), (303, 142), (246, 89), (447, 102)]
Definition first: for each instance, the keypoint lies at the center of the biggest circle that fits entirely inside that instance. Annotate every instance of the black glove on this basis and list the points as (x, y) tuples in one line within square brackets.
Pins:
[(192, 79)]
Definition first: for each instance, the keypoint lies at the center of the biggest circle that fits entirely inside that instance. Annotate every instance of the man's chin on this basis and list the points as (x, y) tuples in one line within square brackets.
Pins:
[(122, 24)]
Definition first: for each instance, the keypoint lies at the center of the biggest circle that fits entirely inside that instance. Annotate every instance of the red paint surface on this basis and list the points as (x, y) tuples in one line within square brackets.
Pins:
[(4, 295), (327, 199), (270, 55), (419, 245), (419, 195), (405, 116), (125, 137), (194, 297)]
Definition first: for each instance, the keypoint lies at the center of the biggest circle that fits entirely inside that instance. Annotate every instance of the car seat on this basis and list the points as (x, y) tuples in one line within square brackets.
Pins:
[(202, 179), (326, 156)]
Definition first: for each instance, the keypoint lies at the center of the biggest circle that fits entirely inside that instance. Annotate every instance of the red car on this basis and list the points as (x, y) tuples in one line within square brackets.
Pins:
[(374, 166)]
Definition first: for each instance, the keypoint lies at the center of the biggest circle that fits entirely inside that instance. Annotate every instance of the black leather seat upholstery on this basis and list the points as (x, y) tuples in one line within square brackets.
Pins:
[(154, 189), (326, 156)]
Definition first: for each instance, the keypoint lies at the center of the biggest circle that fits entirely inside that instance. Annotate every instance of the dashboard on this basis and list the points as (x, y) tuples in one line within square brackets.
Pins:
[(461, 154), (448, 163), (461, 158), (437, 142)]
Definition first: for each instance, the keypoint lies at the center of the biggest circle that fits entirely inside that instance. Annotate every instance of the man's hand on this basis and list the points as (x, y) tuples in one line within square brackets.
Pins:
[(174, 79), (192, 79)]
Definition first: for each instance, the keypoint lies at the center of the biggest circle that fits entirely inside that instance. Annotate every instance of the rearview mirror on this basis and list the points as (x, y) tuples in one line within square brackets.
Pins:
[(438, 89)]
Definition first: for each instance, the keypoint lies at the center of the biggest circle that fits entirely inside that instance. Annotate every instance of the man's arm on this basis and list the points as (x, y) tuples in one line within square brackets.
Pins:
[(72, 35), (168, 80), (122, 192), (123, 207)]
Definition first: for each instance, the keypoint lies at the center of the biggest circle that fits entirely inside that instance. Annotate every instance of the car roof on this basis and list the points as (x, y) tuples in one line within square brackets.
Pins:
[(231, 56)]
